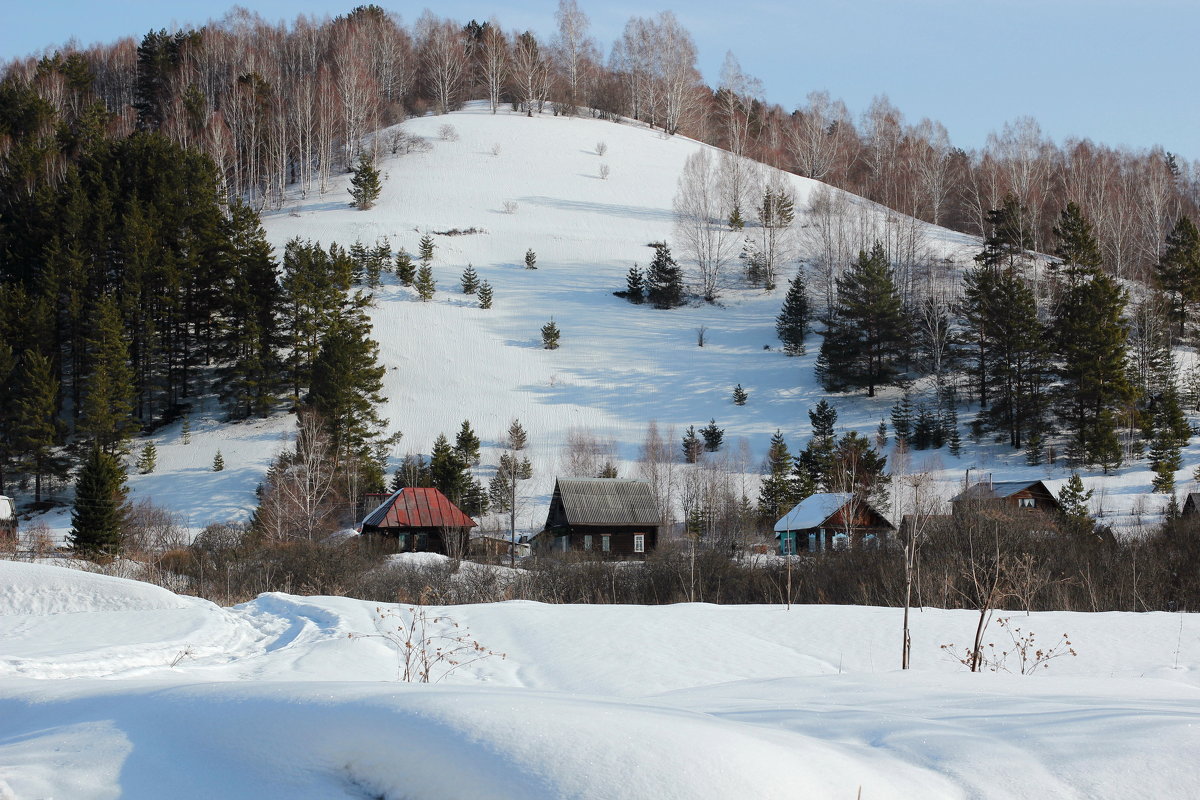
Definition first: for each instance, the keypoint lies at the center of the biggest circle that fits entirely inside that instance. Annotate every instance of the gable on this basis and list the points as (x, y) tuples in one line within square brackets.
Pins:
[(418, 507)]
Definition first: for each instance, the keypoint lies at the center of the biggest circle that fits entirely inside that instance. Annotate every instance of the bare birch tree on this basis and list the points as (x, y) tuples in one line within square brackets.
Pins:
[(701, 223)]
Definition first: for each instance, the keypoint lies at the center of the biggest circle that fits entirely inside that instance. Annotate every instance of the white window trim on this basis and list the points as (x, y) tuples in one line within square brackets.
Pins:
[(605, 542), (639, 543), (587, 541)]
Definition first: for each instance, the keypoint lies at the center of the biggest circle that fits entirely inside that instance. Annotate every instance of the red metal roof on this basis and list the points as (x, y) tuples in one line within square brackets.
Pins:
[(418, 508)]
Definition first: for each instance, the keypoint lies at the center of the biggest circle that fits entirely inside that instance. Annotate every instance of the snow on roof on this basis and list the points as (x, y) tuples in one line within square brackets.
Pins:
[(812, 511)]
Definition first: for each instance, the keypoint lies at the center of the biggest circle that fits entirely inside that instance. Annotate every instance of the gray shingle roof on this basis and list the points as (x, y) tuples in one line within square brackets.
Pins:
[(993, 491), (607, 501)]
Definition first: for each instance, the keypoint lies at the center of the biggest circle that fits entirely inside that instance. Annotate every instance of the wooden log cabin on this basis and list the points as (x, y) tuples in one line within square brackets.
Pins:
[(832, 521), (1007, 497), (608, 517), (421, 520)]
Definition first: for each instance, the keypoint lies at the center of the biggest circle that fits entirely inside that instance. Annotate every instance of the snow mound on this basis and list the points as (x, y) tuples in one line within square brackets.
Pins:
[(42, 589)]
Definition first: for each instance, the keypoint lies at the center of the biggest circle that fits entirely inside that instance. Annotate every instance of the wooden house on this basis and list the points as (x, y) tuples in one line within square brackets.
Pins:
[(422, 520), (832, 521), (8, 518), (1191, 506), (610, 517), (1007, 496)]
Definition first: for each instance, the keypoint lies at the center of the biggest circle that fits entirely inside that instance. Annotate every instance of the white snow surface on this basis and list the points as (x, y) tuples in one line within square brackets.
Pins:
[(619, 366), (118, 689)]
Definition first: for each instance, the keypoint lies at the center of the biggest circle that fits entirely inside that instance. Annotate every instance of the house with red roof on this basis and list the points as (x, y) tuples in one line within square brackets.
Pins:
[(421, 520)]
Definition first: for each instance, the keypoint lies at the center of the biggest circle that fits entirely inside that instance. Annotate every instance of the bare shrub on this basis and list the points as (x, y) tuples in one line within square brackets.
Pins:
[(150, 531), (601, 148), (509, 206), (448, 133), (425, 653), (604, 172), (496, 149), (1028, 655)]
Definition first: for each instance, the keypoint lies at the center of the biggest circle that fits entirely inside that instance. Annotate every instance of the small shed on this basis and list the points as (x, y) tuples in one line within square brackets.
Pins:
[(611, 517), (8, 518), (422, 520), (1030, 496), (831, 521)]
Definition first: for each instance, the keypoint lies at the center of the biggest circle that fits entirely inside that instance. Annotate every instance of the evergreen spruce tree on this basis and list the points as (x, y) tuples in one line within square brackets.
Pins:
[(218, 464), (470, 280), (406, 271), (502, 489), (99, 511), (485, 295), (635, 286), (736, 223), (1073, 505), (530, 259), (185, 429), (517, 438), (147, 459), (858, 469), (36, 428), (792, 322), (814, 465), (106, 416), (866, 338), (426, 249), (925, 432), (778, 493), (467, 443), (691, 445), (347, 386), (1178, 269), (713, 436), (550, 336), (664, 279), (902, 417), (449, 473), (365, 184), (377, 262), (425, 284), (881, 435), (1171, 434), (412, 472), (740, 396), (358, 257), (1090, 340)]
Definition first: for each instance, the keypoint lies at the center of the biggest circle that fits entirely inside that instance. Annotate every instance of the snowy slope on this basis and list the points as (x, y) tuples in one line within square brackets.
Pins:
[(275, 698), (619, 365)]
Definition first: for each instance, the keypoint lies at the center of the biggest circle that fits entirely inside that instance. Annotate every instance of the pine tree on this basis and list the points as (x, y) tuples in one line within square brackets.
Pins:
[(147, 459), (866, 338), (485, 295), (691, 445), (358, 257), (366, 183), (412, 472), (218, 464), (347, 385), (924, 429), (902, 417), (425, 249), (449, 473), (99, 511), (664, 280), (406, 271), (1076, 243), (792, 323), (736, 223), (814, 465), (778, 493), (530, 259), (1073, 505), (503, 487), (550, 336), (1178, 269), (1171, 434), (467, 443), (740, 396), (881, 435), (857, 468), (713, 436), (106, 416), (635, 286), (36, 428), (185, 429), (518, 439), (470, 280), (377, 262), (425, 284)]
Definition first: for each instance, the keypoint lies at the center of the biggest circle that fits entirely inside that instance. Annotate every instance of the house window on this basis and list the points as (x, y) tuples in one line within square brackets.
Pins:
[(587, 541), (841, 541), (639, 543), (605, 542), (563, 543), (1026, 502), (787, 543)]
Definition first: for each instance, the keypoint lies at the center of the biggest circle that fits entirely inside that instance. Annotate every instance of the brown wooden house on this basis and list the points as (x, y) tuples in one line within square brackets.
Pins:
[(1007, 497), (422, 520), (610, 517), (832, 521), (1191, 505)]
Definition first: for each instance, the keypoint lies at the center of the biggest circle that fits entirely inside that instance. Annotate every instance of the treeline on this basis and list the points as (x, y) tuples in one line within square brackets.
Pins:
[(276, 105), (129, 287)]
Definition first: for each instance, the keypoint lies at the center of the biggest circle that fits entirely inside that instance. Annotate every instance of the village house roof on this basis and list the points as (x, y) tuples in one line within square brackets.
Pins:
[(607, 501), (996, 490), (812, 511), (417, 507)]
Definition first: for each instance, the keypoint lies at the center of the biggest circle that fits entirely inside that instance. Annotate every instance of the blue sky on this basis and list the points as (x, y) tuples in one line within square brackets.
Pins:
[(1118, 72)]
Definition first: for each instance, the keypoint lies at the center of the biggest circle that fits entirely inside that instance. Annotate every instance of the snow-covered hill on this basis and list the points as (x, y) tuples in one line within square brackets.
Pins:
[(125, 690), (535, 183)]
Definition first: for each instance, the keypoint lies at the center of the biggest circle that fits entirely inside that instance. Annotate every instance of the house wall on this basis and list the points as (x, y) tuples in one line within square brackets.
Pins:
[(590, 539), (423, 540)]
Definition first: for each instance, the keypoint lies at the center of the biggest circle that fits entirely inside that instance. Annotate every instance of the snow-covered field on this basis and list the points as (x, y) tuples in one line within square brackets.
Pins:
[(111, 688), (619, 365)]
